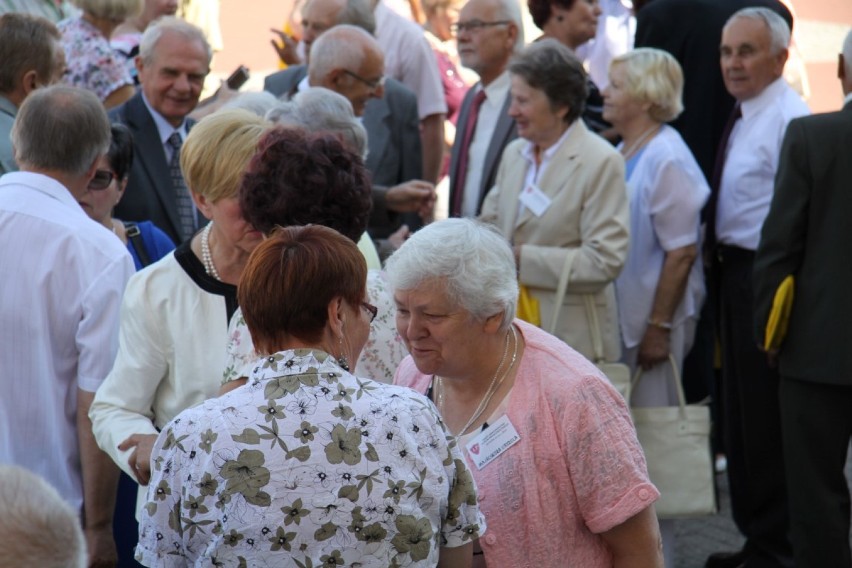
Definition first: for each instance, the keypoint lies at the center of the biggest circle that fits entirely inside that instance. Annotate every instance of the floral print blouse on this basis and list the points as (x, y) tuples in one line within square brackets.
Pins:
[(307, 465), (379, 359), (92, 63)]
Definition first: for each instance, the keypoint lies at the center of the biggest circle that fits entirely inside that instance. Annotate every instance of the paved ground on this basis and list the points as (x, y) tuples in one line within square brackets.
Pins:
[(698, 538)]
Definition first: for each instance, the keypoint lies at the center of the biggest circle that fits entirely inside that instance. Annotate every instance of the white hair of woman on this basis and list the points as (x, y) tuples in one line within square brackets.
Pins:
[(473, 260)]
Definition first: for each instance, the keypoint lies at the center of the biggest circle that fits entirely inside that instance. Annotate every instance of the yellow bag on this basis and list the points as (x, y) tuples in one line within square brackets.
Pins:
[(528, 309), (779, 316)]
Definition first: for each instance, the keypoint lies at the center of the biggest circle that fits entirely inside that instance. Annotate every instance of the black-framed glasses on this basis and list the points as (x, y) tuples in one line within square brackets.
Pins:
[(372, 83), (101, 180), (374, 311), (474, 26)]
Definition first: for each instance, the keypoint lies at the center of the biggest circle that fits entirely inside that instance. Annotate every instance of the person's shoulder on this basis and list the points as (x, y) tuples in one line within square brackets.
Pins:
[(398, 93), (277, 83), (156, 279)]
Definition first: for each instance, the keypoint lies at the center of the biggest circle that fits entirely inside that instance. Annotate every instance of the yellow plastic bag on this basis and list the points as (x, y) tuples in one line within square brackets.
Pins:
[(528, 309), (779, 317)]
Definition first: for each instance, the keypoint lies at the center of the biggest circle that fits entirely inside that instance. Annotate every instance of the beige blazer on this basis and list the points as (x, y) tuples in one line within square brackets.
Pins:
[(588, 218)]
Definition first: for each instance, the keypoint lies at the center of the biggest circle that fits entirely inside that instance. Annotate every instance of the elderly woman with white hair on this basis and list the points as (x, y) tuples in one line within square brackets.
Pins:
[(561, 476), (661, 287)]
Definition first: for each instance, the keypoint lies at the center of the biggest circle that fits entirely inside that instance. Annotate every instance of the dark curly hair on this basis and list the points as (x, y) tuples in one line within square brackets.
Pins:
[(540, 10), (299, 178)]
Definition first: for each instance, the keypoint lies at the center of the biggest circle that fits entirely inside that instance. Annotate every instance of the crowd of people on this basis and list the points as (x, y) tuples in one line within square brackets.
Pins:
[(234, 333)]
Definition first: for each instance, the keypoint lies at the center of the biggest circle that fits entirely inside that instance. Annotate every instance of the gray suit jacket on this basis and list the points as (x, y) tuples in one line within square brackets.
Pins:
[(393, 139), (504, 132), (808, 234), (149, 195)]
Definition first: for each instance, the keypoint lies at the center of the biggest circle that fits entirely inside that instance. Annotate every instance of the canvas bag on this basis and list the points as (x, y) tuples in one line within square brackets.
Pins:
[(676, 441)]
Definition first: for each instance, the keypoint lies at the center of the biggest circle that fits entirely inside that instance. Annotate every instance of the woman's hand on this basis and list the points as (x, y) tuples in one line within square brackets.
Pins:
[(654, 348), (140, 459)]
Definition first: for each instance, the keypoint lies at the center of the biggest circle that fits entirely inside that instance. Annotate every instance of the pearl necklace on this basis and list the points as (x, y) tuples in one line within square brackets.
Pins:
[(206, 257), (492, 388), (628, 151)]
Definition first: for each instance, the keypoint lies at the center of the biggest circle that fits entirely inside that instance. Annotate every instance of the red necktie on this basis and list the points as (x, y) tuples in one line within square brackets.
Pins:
[(461, 170)]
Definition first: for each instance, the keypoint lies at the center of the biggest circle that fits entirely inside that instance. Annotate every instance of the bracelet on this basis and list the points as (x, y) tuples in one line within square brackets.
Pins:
[(667, 325)]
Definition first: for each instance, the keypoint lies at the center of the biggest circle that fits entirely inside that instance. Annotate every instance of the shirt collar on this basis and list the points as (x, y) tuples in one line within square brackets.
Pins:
[(529, 150), (754, 105), (8, 107), (496, 89), (43, 184), (164, 129)]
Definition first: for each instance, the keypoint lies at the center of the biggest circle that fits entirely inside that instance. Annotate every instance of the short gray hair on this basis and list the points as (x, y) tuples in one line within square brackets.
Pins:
[(779, 31), (322, 110), (552, 68), (474, 261), (170, 24), (61, 128), (257, 103), (511, 10), (39, 528), (358, 13), (337, 49)]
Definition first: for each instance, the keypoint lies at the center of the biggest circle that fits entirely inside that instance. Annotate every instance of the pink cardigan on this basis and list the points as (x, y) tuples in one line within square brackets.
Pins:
[(577, 471)]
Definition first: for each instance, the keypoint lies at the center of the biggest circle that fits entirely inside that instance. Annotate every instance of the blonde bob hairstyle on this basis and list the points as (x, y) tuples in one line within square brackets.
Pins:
[(653, 76), (217, 151), (118, 10)]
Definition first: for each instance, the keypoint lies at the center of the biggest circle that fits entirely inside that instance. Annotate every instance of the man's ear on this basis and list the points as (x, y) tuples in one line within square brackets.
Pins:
[(29, 82)]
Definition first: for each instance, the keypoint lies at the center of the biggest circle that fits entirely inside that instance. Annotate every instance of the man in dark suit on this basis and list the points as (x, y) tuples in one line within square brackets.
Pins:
[(808, 234), (389, 113), (484, 124), (174, 59)]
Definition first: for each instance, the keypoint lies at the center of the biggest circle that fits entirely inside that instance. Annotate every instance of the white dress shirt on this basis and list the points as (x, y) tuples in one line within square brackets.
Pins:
[(62, 276), (410, 60), (751, 161), (535, 171), (489, 113)]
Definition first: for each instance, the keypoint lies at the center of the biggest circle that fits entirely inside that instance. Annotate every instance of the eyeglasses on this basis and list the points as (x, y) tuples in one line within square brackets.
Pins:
[(474, 26), (374, 311), (101, 180), (373, 84)]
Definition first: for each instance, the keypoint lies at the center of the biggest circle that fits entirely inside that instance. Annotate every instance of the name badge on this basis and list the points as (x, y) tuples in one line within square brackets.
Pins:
[(535, 200), (491, 442)]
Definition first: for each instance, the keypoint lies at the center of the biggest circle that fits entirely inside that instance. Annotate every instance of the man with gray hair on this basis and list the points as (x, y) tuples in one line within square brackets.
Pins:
[(38, 527), (807, 233), (348, 60), (488, 33), (63, 277), (753, 52), (32, 57), (174, 59)]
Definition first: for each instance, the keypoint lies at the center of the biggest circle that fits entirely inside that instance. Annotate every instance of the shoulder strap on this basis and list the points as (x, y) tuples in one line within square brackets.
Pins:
[(134, 235)]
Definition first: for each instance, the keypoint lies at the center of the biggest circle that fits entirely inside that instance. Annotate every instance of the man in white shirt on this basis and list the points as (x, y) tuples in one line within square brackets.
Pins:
[(62, 276), (753, 54), (488, 33)]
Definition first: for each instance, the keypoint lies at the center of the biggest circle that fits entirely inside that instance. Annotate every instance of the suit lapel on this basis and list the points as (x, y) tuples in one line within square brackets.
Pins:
[(153, 156), (457, 149), (561, 168)]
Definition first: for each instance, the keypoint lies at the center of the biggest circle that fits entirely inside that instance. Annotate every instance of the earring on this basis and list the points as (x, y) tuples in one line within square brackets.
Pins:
[(341, 359)]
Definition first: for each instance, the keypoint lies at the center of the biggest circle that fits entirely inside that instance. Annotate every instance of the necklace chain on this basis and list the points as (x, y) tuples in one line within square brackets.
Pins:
[(633, 148), (206, 257), (492, 388)]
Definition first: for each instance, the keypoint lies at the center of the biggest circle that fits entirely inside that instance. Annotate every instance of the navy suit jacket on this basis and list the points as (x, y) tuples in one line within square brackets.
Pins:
[(150, 195), (504, 132)]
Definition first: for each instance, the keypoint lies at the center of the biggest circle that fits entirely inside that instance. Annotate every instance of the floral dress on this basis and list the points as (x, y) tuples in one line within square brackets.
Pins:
[(379, 359), (307, 465), (92, 63)]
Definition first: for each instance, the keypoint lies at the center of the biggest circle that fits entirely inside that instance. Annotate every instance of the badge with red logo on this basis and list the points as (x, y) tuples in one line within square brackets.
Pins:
[(474, 449), (489, 444)]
